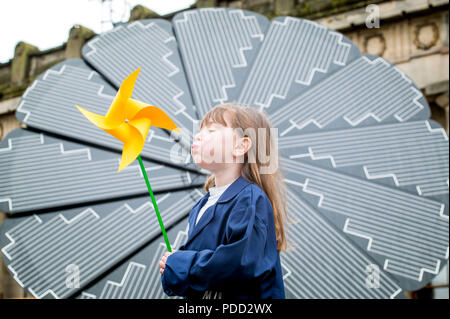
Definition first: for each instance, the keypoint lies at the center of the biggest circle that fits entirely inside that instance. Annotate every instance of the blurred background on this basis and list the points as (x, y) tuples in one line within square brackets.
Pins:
[(412, 34)]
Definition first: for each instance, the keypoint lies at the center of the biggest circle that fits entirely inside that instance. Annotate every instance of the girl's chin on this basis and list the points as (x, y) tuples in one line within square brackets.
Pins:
[(202, 164), (198, 160)]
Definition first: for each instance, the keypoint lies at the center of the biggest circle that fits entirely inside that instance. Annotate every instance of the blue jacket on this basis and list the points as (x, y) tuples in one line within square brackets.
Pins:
[(231, 253)]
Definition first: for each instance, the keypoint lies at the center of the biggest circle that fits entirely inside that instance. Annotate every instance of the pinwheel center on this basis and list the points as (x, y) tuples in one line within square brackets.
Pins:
[(126, 120)]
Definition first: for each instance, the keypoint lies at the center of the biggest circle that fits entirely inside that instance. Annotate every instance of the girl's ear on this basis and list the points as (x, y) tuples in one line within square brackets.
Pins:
[(243, 146)]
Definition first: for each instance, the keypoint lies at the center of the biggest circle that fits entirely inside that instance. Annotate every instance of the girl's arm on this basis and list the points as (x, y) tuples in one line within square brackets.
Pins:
[(240, 258)]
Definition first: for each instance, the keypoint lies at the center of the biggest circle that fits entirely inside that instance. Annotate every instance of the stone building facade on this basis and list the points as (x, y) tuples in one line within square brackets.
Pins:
[(412, 34)]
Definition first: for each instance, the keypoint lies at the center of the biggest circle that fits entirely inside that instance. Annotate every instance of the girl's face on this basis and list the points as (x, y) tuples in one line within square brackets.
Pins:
[(214, 146)]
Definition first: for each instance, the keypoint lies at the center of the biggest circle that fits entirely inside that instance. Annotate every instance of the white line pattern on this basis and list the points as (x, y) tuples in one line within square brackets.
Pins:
[(40, 251), (410, 153), (44, 175), (409, 230)]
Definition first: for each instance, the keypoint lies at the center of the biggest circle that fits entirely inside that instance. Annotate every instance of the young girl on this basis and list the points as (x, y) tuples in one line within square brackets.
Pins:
[(236, 230)]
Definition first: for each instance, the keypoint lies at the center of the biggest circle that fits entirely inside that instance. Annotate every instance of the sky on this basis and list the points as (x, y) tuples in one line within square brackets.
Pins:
[(46, 23)]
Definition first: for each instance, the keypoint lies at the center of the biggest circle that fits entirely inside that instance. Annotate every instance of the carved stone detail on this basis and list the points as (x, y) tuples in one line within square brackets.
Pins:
[(426, 35)]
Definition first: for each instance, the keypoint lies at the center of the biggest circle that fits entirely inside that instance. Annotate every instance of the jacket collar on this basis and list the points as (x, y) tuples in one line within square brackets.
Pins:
[(233, 189), (227, 195)]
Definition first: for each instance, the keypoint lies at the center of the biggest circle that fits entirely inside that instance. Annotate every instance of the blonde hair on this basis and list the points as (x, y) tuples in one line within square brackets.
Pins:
[(244, 117)]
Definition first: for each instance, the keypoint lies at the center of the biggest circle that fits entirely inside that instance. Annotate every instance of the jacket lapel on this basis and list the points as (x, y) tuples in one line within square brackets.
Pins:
[(208, 215), (204, 220), (194, 214)]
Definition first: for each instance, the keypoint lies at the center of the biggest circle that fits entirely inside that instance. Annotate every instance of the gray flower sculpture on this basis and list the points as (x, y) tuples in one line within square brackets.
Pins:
[(366, 169)]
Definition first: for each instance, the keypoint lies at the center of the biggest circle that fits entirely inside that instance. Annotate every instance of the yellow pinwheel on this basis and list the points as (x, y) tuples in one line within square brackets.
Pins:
[(129, 121)]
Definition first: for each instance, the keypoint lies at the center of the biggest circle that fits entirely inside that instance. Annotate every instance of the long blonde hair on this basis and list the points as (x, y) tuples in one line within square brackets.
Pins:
[(244, 117)]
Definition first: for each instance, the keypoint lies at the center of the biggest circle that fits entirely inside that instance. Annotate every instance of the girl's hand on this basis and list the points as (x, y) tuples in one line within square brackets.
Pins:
[(162, 262)]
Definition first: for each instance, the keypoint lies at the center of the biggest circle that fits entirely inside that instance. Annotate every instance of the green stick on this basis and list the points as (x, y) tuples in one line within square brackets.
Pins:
[(154, 204)]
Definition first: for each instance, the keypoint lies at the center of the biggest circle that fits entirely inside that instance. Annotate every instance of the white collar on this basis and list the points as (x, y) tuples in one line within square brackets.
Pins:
[(217, 190)]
